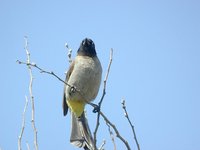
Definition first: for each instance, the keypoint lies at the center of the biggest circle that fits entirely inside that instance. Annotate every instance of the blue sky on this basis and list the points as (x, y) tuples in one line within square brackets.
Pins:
[(155, 69)]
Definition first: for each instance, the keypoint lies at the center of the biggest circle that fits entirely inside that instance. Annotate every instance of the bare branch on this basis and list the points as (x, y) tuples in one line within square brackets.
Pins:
[(115, 129), (69, 54), (109, 65), (53, 74), (100, 113), (102, 145), (27, 145), (111, 136), (31, 95), (23, 124), (102, 97), (132, 126)]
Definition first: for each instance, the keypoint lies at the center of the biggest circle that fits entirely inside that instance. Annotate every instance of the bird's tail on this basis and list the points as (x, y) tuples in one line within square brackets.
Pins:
[(80, 132)]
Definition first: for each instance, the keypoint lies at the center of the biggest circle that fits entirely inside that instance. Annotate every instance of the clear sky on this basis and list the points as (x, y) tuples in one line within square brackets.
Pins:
[(156, 68)]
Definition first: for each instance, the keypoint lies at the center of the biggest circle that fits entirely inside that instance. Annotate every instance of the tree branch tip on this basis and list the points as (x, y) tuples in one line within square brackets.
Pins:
[(126, 115), (18, 61), (123, 101), (111, 50), (33, 64), (66, 45), (111, 53)]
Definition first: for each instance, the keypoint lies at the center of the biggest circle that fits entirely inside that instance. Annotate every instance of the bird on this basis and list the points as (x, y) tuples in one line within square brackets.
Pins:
[(83, 80)]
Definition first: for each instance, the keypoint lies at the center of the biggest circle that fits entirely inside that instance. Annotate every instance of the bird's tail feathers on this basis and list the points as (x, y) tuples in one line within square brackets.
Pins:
[(80, 132)]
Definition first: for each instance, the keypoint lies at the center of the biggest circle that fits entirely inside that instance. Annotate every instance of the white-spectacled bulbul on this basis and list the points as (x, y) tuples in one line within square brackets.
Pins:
[(84, 78)]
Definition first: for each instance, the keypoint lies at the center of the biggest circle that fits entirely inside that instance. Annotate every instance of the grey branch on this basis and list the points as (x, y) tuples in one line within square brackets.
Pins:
[(23, 124), (102, 145), (116, 130), (102, 97), (31, 95), (27, 145), (69, 54), (50, 73), (132, 126), (112, 136)]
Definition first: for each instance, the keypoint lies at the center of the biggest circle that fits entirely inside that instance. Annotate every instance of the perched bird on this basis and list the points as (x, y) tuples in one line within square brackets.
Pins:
[(83, 81)]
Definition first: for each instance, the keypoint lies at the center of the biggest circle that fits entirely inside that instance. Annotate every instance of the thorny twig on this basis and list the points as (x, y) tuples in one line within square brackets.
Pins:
[(23, 124), (101, 100), (132, 126)]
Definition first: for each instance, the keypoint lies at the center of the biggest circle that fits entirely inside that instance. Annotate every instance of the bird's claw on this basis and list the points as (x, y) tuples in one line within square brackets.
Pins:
[(96, 108)]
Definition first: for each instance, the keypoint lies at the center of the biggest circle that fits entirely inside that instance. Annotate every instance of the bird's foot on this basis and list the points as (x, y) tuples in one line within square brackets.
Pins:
[(96, 108)]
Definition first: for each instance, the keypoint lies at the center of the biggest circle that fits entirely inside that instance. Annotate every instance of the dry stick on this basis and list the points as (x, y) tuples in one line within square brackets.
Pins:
[(51, 73), (23, 124), (44, 71), (101, 100), (27, 145), (102, 145), (31, 95), (132, 126), (69, 54), (111, 136), (116, 131)]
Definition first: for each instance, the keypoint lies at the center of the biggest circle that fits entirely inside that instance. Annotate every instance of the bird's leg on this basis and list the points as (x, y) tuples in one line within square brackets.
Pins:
[(96, 107)]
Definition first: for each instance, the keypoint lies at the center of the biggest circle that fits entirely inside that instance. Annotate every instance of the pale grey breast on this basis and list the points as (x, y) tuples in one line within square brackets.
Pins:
[(86, 77)]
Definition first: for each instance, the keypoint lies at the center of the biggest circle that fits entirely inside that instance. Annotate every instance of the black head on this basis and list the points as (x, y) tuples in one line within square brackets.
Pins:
[(87, 48)]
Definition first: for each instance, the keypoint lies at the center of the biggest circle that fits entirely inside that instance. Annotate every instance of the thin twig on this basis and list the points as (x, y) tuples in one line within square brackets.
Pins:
[(102, 97), (31, 95), (27, 145), (111, 136), (132, 126), (53, 74), (102, 145), (69, 54), (23, 124), (116, 131), (42, 70)]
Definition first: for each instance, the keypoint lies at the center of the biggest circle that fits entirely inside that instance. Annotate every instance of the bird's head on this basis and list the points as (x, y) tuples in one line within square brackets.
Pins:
[(87, 48)]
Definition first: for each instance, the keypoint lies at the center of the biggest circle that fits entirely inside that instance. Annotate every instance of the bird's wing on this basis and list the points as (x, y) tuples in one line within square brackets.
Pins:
[(69, 72)]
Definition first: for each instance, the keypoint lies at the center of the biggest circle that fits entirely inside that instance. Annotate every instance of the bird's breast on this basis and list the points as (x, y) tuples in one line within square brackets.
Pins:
[(86, 78)]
